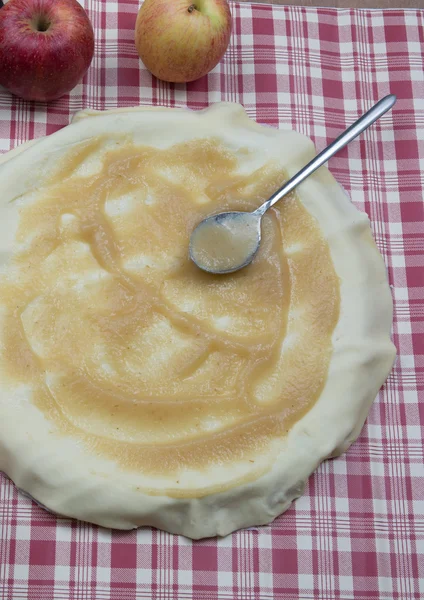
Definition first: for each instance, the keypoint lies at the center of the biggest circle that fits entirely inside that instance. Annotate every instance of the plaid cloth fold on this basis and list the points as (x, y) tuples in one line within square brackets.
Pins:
[(358, 532)]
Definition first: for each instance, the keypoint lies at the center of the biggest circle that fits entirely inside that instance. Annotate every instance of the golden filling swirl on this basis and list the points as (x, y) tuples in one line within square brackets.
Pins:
[(128, 346)]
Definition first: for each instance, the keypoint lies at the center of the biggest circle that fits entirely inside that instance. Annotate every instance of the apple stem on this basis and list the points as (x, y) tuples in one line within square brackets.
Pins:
[(41, 23), (191, 8)]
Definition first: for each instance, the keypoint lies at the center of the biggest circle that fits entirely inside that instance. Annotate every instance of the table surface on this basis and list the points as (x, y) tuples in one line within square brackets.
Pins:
[(358, 531), (342, 3), (349, 3)]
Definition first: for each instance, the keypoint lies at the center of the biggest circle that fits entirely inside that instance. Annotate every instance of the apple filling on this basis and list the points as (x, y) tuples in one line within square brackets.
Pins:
[(129, 347)]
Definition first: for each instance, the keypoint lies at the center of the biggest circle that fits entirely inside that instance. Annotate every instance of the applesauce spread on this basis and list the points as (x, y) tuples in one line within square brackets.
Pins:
[(130, 348)]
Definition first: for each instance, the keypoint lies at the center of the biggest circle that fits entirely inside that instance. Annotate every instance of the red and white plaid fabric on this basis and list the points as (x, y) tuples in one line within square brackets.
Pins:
[(358, 532)]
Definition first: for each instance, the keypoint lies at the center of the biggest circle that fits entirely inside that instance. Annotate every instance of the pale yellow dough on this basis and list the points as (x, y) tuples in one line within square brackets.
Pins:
[(136, 390)]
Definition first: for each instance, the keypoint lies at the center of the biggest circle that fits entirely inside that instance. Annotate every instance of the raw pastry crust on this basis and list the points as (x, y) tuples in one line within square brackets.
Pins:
[(64, 476)]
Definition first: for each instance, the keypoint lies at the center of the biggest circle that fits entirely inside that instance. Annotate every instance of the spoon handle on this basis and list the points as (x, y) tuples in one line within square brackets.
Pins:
[(340, 142)]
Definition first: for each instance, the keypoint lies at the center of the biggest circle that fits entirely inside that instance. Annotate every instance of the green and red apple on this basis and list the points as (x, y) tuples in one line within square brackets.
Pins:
[(182, 40)]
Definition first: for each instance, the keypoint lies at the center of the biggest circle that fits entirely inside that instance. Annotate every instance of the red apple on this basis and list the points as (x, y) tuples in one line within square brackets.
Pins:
[(182, 40), (46, 47)]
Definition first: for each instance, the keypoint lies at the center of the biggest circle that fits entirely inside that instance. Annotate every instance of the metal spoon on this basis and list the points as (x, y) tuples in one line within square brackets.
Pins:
[(228, 241)]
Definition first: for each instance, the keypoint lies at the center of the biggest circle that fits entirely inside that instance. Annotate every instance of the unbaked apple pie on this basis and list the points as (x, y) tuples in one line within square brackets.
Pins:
[(136, 389)]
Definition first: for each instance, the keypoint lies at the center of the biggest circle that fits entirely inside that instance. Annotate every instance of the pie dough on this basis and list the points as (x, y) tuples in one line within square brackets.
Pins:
[(136, 389)]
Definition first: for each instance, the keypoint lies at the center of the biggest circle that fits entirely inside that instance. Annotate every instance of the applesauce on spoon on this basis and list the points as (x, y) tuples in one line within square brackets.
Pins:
[(223, 244)]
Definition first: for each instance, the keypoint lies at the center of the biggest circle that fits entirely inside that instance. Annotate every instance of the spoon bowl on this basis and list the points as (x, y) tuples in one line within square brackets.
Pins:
[(228, 241)]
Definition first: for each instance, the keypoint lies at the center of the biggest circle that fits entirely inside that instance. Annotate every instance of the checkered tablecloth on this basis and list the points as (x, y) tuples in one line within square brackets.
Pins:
[(358, 532)]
